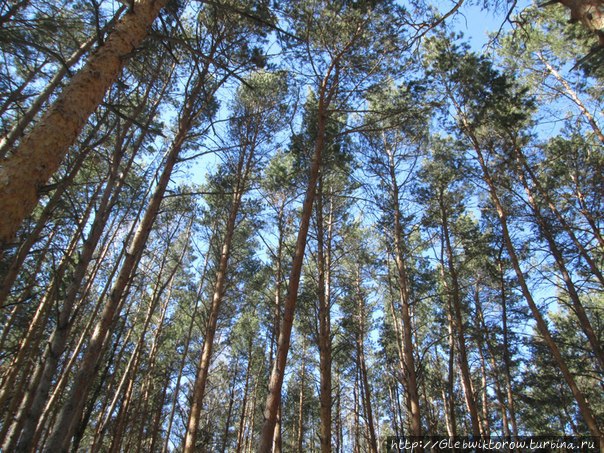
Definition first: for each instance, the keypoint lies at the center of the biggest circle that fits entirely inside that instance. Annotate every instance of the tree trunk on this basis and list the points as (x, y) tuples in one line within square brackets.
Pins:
[(187, 343), (300, 430), (542, 327), (227, 425), (484, 337), (571, 289), (544, 194), (17, 130), (360, 334), (72, 408), (506, 347), (241, 430), (40, 153), (278, 370), (324, 333), (455, 296), (409, 373), (244, 168)]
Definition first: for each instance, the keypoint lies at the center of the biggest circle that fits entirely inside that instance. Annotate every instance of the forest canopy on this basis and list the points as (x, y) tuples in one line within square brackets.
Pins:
[(253, 225)]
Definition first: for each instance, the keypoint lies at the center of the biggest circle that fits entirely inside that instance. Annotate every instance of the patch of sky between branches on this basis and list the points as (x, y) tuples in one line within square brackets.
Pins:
[(479, 25)]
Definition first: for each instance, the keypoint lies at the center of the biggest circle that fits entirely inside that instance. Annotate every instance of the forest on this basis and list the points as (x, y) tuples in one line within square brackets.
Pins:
[(297, 226)]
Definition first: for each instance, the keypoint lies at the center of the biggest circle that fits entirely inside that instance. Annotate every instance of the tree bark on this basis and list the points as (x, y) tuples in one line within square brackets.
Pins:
[(244, 167), (542, 327), (17, 130), (409, 372), (273, 398), (40, 153)]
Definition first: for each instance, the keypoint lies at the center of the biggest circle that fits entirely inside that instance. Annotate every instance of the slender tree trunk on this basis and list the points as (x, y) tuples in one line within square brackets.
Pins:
[(484, 337), (355, 409), (324, 333), (71, 410), (227, 425), (451, 375), (570, 93), (244, 168), (187, 343), (542, 327), (362, 364), (455, 296), (273, 398), (339, 422), (506, 347), (544, 194), (409, 372), (40, 153), (241, 430), (300, 430), (571, 289), (252, 422)]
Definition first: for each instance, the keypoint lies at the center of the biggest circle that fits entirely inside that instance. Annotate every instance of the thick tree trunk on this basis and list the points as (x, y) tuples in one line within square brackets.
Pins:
[(40, 153), (17, 130), (34, 235)]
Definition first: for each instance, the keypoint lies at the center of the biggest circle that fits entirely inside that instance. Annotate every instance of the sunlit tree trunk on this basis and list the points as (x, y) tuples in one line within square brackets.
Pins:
[(545, 195), (40, 153), (71, 410), (571, 289), (17, 130), (542, 327), (244, 167), (187, 344), (455, 297), (273, 398)]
